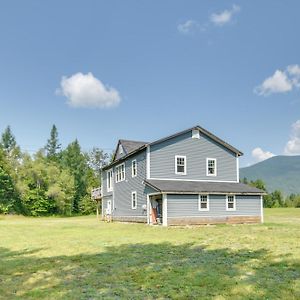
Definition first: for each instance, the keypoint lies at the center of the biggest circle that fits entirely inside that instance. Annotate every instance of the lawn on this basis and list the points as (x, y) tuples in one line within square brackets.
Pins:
[(82, 258)]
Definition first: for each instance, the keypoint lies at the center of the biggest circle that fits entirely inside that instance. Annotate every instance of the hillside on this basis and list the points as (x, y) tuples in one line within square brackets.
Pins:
[(278, 172)]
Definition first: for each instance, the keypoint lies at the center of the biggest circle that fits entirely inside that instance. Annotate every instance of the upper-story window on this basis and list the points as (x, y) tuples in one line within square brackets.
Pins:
[(230, 202), (134, 168), (109, 180), (120, 172), (203, 203), (180, 164), (211, 167)]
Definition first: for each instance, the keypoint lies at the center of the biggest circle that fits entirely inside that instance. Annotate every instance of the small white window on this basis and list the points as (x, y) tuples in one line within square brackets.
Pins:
[(180, 165), (203, 203), (211, 167), (120, 172), (134, 168), (195, 134), (230, 202), (109, 180), (133, 200)]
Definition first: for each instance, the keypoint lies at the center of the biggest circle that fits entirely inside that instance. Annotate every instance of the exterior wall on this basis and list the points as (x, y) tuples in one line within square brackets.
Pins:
[(183, 209), (104, 204), (122, 191), (162, 159)]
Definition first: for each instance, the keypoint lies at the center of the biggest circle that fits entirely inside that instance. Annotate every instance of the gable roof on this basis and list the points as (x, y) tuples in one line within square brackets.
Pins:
[(178, 186), (132, 147), (128, 147)]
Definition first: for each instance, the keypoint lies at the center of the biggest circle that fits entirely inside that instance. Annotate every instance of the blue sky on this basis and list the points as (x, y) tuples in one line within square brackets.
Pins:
[(103, 70)]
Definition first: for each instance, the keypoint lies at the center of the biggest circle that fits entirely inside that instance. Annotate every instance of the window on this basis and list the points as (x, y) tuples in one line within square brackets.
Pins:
[(109, 180), (133, 200), (230, 205), (180, 165), (211, 167), (195, 134), (134, 168), (203, 203), (120, 172)]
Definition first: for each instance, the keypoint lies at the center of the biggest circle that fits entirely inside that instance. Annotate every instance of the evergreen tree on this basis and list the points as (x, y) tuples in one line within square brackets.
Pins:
[(8, 141), (53, 146), (76, 162), (97, 159)]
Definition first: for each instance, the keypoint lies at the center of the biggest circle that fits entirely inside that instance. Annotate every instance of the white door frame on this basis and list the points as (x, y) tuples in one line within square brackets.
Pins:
[(149, 221)]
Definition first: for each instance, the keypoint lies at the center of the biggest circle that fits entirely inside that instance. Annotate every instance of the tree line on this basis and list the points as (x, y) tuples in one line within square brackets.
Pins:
[(51, 181), (275, 198)]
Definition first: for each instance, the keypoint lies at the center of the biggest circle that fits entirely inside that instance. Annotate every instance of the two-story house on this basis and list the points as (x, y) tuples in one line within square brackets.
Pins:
[(190, 177)]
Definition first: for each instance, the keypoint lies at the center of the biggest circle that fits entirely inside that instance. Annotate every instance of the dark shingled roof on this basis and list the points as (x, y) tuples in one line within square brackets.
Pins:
[(130, 146), (179, 186)]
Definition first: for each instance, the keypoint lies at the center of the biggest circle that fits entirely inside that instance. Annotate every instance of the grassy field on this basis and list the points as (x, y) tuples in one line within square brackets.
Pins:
[(80, 258)]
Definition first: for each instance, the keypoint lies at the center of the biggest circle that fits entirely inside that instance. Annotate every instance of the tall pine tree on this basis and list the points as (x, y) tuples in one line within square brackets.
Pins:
[(53, 146)]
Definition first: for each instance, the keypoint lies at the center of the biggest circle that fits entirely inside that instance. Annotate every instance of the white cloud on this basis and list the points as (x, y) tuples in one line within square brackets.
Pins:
[(280, 81), (292, 147), (261, 155), (225, 16), (277, 83), (85, 90), (189, 26)]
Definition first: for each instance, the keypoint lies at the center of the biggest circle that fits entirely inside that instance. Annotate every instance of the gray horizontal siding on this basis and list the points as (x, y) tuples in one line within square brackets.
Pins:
[(187, 206), (162, 158), (123, 189)]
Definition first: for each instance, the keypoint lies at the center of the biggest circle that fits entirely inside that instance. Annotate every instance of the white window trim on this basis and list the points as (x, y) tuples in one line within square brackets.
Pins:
[(109, 189), (199, 202), (234, 203), (185, 163), (134, 193), (207, 174), (132, 174), (118, 166)]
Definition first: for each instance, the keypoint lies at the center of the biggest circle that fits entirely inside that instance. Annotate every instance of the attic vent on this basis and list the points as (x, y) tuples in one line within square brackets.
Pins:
[(196, 134), (121, 151)]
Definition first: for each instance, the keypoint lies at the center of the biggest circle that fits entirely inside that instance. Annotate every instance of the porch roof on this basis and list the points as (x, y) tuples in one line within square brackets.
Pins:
[(181, 187)]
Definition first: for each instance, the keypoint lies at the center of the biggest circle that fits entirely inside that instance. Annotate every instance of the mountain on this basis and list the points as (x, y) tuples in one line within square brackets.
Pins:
[(278, 172)]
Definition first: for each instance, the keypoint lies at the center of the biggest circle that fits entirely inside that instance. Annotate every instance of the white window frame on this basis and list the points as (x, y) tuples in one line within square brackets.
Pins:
[(134, 193), (185, 162), (133, 169), (234, 203), (120, 176), (109, 179), (199, 202), (207, 160)]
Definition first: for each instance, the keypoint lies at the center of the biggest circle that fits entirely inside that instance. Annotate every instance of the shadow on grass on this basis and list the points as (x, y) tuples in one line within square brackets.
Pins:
[(149, 271)]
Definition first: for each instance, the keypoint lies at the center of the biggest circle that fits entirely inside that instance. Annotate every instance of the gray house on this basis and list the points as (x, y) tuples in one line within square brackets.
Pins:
[(190, 177)]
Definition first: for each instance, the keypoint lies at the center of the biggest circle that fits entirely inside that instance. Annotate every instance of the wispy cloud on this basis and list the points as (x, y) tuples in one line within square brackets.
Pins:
[(85, 90), (259, 154), (292, 147), (188, 27), (280, 82), (215, 19), (224, 17)]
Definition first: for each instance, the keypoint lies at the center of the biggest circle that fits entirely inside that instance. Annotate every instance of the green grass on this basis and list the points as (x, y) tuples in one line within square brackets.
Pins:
[(80, 258)]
